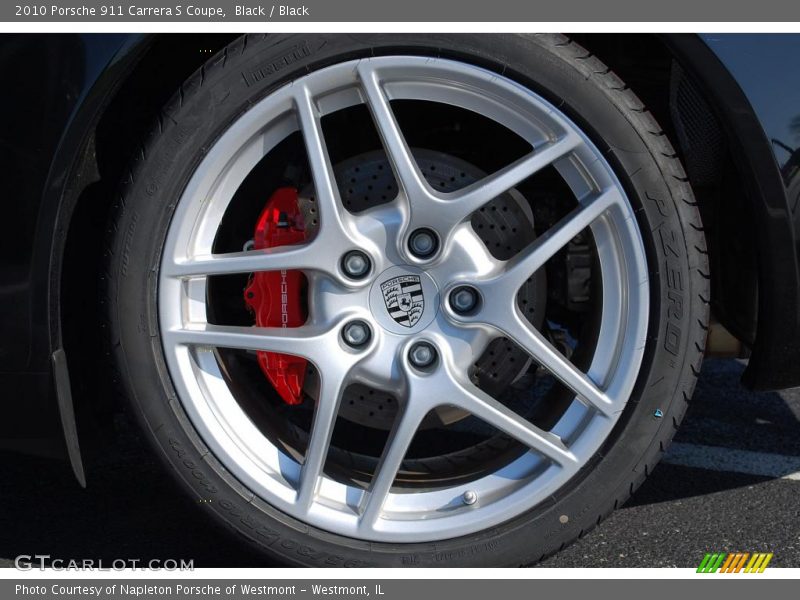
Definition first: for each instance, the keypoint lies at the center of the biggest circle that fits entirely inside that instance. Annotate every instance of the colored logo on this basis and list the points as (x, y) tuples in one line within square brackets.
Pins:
[(744, 562), (404, 300)]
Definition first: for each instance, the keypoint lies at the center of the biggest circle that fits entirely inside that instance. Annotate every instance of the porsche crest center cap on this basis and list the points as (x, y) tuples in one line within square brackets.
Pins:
[(404, 299)]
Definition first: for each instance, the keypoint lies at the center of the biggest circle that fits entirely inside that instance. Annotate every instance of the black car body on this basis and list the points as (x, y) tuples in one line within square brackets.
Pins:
[(75, 109)]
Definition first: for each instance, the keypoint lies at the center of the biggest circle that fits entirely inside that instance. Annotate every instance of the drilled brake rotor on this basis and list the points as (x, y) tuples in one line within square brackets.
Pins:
[(505, 225)]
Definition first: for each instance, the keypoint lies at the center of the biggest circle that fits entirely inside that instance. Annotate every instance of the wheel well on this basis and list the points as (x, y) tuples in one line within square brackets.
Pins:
[(122, 127), (690, 119)]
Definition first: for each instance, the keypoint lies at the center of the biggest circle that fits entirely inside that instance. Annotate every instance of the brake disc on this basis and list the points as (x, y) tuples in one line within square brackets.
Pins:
[(505, 225)]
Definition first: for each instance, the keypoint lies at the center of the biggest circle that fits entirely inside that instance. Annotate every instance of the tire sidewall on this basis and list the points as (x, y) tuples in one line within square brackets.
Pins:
[(211, 101)]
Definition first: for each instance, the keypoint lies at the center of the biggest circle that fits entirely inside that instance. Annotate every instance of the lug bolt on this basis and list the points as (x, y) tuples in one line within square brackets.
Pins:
[(356, 334), (355, 264), (423, 243), (470, 497), (422, 355), (463, 299)]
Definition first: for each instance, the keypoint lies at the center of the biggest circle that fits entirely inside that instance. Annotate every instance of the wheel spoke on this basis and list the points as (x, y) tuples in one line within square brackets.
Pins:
[(463, 203), (486, 408), (298, 341), (327, 407), (403, 163), (543, 352), (396, 447), (302, 257), (543, 248), (325, 187)]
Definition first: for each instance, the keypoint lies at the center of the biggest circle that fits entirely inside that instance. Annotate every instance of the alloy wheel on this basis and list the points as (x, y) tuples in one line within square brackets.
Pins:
[(388, 235)]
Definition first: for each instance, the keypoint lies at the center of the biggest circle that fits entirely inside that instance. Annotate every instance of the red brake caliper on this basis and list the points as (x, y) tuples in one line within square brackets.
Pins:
[(276, 296)]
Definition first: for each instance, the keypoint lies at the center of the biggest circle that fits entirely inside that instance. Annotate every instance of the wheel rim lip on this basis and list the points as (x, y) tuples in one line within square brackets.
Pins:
[(261, 466)]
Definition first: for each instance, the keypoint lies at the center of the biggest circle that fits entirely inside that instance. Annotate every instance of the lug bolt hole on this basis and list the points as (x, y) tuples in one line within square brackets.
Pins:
[(423, 243), (356, 334), (464, 299), (422, 355), (356, 264)]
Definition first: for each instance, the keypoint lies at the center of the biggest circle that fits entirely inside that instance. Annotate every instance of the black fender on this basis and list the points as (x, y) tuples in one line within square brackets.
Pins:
[(750, 82), (60, 103)]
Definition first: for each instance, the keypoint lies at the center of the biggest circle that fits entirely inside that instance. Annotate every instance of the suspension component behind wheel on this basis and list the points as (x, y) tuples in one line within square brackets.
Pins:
[(276, 297)]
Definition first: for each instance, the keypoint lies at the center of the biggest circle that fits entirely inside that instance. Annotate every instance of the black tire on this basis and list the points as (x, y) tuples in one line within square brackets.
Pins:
[(593, 97)]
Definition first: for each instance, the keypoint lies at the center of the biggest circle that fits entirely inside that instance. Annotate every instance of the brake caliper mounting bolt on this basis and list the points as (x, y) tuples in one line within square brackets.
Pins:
[(423, 243), (463, 299), (356, 334), (470, 497), (422, 355), (355, 264)]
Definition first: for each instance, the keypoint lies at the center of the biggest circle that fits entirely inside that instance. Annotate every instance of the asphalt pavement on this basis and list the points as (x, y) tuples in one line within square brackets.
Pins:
[(731, 482)]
